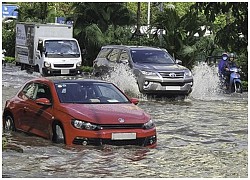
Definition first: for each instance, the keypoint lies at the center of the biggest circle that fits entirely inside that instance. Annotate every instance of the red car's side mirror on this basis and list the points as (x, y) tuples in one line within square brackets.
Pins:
[(134, 100), (43, 101)]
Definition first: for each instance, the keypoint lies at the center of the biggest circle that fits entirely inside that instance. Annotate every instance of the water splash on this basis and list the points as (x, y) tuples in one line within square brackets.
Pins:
[(123, 77), (206, 82)]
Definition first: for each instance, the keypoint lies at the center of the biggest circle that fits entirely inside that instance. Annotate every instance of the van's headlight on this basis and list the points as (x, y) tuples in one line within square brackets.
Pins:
[(84, 125), (148, 73), (78, 64), (46, 64), (188, 73), (149, 125)]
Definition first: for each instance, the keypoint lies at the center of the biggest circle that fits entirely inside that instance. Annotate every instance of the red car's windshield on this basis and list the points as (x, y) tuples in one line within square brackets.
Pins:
[(89, 93)]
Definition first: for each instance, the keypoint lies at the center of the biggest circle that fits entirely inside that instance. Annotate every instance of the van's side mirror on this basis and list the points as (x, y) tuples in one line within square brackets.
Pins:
[(177, 61)]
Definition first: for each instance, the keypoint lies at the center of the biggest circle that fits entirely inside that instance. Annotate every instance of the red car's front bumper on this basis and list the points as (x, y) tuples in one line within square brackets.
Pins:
[(140, 137)]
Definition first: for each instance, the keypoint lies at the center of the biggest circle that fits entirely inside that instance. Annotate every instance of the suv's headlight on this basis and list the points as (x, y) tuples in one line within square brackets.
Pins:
[(149, 125), (84, 125), (148, 73), (46, 64), (188, 73)]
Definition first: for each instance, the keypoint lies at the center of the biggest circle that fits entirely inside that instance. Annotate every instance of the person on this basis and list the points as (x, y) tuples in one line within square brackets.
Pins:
[(228, 65), (3, 57), (231, 62), (223, 64)]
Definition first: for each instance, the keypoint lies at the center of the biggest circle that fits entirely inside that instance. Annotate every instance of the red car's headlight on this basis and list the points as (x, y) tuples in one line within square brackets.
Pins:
[(84, 125), (149, 125)]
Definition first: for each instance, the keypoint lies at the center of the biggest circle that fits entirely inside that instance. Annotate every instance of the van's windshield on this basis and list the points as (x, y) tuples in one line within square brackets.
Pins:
[(151, 56), (61, 48)]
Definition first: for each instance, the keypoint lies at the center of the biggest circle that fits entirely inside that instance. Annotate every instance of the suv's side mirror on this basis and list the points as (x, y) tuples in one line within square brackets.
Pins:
[(124, 61), (177, 61)]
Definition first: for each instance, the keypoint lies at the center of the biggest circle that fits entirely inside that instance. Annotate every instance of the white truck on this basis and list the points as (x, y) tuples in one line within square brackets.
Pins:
[(47, 48)]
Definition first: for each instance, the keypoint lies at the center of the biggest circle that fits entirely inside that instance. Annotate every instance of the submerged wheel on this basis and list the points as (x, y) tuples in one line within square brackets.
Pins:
[(8, 123), (58, 134), (237, 87)]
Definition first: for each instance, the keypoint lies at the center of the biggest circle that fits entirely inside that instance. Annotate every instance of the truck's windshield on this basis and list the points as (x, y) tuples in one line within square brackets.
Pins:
[(61, 48)]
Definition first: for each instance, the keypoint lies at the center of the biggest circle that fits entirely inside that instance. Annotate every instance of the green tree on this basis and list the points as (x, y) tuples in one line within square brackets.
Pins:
[(8, 38), (233, 36), (181, 33), (97, 24)]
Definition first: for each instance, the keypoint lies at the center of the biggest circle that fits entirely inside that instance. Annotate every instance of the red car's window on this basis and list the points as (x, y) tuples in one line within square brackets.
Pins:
[(89, 93)]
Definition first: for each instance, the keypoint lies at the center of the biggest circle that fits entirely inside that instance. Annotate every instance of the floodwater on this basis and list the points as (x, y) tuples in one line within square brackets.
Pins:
[(205, 135)]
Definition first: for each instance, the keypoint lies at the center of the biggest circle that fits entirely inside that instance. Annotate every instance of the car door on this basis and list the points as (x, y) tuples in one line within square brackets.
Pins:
[(41, 115), (23, 110)]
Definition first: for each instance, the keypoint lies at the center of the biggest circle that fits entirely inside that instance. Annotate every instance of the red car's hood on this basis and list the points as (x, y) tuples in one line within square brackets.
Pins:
[(107, 113)]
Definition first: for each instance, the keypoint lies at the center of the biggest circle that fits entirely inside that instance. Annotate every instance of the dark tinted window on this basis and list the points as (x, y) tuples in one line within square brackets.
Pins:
[(113, 56), (89, 93), (42, 92), (124, 56), (29, 90), (104, 52), (151, 56)]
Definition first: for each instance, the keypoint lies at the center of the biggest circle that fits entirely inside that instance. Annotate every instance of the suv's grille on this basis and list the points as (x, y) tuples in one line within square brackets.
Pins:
[(172, 74), (63, 65), (122, 126), (172, 83)]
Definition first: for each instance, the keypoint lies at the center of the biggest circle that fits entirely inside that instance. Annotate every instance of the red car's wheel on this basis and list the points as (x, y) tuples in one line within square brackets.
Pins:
[(8, 123), (58, 134)]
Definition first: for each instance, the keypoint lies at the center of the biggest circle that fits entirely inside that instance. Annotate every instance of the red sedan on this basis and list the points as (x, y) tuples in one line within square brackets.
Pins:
[(85, 112)]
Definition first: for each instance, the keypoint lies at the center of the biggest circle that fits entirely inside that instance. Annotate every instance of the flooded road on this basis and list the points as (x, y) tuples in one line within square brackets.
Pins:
[(205, 135)]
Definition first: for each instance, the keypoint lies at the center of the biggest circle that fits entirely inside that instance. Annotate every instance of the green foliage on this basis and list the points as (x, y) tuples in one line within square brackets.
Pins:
[(9, 38), (9, 59), (98, 24), (244, 85), (232, 36), (242, 62), (87, 69)]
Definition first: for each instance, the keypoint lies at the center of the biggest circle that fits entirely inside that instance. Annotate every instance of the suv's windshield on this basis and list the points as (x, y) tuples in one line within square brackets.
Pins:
[(61, 48), (89, 93), (151, 56)]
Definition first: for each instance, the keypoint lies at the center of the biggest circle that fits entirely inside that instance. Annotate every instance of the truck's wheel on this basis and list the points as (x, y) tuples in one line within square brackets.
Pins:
[(36, 68), (23, 67)]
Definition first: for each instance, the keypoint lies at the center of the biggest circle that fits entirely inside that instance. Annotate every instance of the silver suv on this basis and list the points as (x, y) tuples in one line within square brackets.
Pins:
[(155, 69)]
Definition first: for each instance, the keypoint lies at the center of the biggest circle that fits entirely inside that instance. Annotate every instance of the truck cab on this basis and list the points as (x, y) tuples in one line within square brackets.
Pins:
[(58, 56)]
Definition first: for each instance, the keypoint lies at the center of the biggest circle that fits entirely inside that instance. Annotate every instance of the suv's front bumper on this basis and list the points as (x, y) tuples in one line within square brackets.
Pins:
[(178, 86)]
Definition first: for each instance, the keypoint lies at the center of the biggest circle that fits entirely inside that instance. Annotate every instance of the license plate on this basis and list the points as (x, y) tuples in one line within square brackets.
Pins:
[(123, 136), (65, 71), (173, 88)]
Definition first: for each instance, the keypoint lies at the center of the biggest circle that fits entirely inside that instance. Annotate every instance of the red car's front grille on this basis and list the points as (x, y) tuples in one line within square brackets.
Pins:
[(146, 141)]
